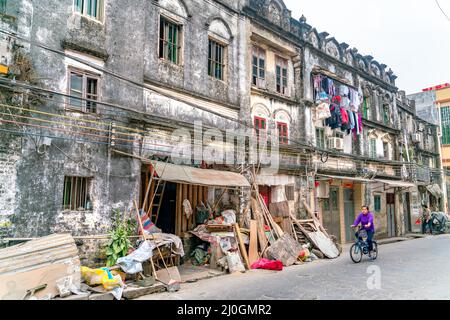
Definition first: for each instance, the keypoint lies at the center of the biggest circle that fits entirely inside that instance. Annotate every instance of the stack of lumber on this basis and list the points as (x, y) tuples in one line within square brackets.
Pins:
[(313, 232), (276, 243)]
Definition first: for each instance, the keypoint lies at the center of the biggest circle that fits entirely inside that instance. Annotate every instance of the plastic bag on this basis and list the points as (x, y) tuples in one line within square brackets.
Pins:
[(234, 262), (101, 276), (267, 264), (323, 111), (229, 216), (304, 255), (132, 263)]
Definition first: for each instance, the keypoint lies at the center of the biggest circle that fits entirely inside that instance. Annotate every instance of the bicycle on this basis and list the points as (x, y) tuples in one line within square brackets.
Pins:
[(361, 247)]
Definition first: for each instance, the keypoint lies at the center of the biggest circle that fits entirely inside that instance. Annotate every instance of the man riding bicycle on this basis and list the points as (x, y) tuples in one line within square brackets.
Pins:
[(365, 218)]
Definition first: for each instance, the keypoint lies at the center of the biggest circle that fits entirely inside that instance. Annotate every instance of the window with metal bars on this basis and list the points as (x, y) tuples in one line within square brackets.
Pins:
[(259, 67), (169, 40), (85, 86), (445, 123), (216, 59), (76, 194), (90, 8), (281, 74)]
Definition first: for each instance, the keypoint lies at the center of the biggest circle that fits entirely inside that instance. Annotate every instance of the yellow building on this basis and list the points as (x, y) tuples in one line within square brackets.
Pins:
[(443, 103)]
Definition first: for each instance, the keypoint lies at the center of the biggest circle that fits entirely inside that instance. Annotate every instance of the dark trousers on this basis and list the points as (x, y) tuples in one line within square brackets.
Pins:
[(370, 235)]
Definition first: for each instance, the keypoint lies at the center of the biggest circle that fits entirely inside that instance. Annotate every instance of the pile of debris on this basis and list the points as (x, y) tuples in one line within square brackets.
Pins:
[(284, 238)]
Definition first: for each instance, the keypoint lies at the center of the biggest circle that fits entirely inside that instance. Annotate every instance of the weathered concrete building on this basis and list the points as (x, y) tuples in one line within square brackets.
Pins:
[(102, 88)]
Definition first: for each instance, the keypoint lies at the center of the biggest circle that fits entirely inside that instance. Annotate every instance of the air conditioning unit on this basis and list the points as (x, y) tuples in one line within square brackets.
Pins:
[(323, 190), (336, 143), (415, 137)]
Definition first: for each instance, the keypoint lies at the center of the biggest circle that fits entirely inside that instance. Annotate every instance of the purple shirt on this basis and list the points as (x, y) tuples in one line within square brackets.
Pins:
[(365, 219)]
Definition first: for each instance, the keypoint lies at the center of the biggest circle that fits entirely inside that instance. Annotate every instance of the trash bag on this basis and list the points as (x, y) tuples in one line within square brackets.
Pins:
[(267, 264), (234, 262)]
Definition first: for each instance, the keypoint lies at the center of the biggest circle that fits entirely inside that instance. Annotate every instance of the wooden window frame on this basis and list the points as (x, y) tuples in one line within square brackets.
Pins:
[(371, 151), (99, 16), (375, 197), (84, 94), (322, 138), (281, 80), (164, 43), (283, 139), (259, 54), (366, 108), (445, 122), (76, 193), (213, 61)]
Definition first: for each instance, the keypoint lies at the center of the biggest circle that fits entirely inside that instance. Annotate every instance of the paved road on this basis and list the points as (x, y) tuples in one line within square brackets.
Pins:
[(397, 274)]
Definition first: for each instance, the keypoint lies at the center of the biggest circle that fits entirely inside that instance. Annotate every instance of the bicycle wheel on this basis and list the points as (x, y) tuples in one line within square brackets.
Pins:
[(375, 250), (356, 253)]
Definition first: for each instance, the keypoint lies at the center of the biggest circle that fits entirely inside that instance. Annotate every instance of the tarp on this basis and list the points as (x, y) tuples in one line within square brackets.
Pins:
[(202, 177), (400, 184), (435, 190)]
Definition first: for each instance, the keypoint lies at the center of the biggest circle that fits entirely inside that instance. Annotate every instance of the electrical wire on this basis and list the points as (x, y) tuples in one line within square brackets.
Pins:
[(138, 84), (442, 10)]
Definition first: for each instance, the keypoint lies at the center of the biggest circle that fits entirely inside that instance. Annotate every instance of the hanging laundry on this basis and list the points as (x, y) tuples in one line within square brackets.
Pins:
[(352, 120), (345, 102), (345, 126), (335, 121), (331, 87), (323, 111), (360, 124), (343, 90)]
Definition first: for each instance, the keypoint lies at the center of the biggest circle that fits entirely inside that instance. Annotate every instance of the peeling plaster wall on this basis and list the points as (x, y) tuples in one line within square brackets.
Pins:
[(125, 42)]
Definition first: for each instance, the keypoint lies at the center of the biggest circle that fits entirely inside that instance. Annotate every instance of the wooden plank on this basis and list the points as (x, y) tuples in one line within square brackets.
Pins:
[(253, 247), (179, 210), (184, 196), (311, 214), (195, 196), (241, 245), (257, 215)]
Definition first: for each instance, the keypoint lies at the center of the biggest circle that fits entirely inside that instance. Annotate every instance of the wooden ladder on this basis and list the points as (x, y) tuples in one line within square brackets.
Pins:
[(155, 204)]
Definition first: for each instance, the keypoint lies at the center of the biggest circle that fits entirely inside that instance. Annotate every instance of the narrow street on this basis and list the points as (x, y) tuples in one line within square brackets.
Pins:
[(416, 269)]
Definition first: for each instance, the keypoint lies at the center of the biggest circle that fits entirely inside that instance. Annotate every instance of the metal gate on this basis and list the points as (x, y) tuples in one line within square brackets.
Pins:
[(390, 210), (349, 212), (331, 218)]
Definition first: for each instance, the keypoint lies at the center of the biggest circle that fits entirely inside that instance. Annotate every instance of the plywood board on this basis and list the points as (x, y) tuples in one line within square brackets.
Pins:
[(253, 247), (14, 286)]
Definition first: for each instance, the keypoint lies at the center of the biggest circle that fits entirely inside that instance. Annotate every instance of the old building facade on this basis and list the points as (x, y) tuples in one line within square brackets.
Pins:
[(111, 86)]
